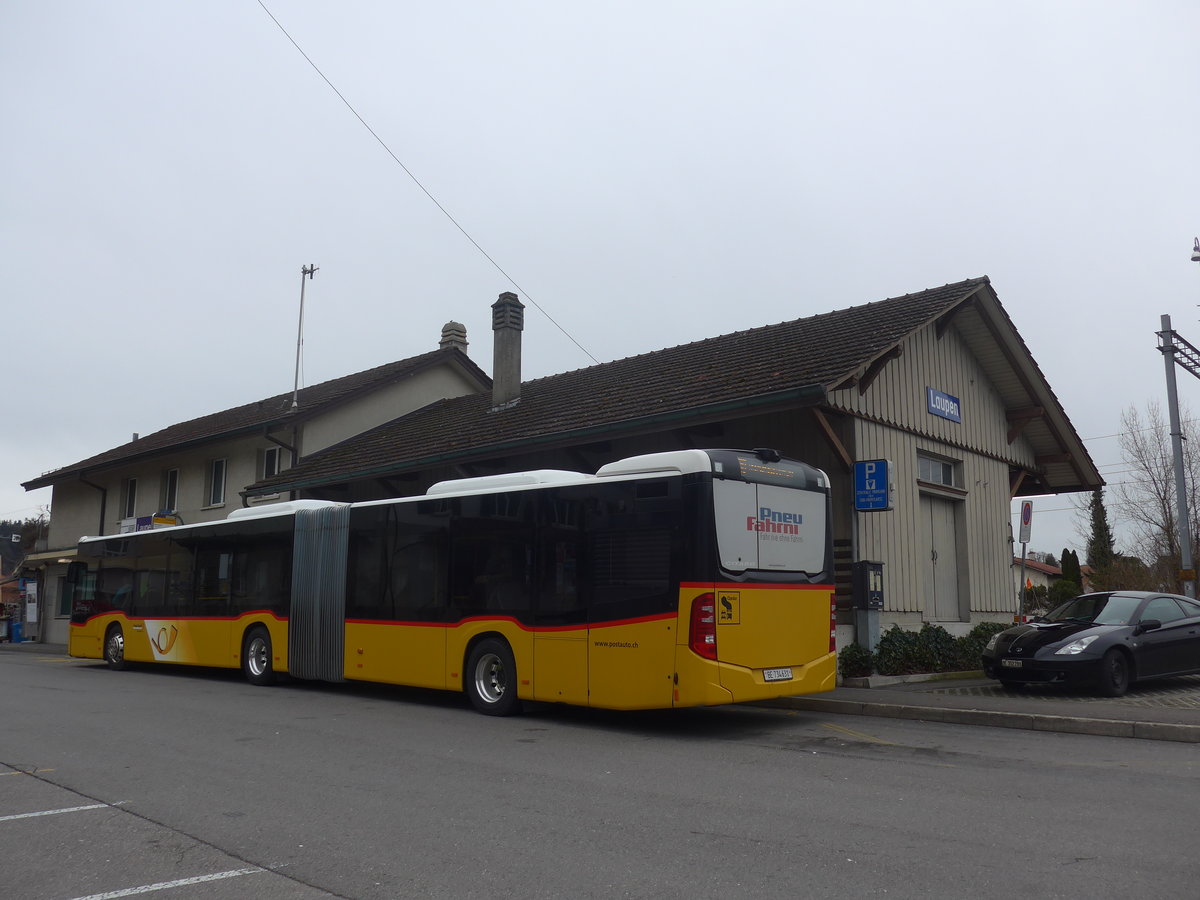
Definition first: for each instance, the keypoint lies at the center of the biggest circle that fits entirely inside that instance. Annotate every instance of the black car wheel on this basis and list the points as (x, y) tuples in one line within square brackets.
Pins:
[(1114, 673)]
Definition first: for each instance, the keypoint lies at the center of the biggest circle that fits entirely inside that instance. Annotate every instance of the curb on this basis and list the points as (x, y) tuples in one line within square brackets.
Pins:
[(879, 681), (1149, 731)]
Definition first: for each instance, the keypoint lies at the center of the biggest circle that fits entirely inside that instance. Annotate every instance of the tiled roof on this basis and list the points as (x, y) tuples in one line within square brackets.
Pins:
[(800, 359), (262, 414), (1037, 566)]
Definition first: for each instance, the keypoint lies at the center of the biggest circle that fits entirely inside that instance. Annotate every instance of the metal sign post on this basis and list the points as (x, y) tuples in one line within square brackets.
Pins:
[(1026, 528), (873, 492)]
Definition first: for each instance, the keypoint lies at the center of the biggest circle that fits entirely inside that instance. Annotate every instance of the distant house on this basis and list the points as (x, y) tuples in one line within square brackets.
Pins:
[(937, 382), (197, 470), (1039, 574)]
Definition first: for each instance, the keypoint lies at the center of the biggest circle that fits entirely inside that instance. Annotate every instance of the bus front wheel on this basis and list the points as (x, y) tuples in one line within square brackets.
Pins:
[(256, 657), (492, 678), (114, 648)]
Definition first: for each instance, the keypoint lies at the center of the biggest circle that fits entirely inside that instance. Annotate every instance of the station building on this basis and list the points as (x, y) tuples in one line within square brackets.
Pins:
[(938, 384)]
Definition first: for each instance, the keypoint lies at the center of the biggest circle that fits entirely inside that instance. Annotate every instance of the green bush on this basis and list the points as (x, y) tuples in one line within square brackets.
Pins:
[(855, 661), (932, 649), (1060, 592), (971, 644), (897, 652)]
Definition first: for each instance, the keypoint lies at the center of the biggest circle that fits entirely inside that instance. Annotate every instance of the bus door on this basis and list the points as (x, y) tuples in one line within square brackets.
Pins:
[(633, 603), (560, 663), (767, 528)]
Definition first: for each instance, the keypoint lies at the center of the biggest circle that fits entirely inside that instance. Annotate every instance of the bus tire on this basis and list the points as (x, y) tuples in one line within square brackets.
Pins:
[(256, 657), (491, 680), (114, 648)]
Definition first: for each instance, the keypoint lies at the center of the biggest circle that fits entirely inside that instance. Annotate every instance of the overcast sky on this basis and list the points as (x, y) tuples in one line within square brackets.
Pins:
[(648, 173)]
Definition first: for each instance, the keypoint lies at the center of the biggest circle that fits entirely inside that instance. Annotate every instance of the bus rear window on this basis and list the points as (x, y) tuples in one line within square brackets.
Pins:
[(764, 527)]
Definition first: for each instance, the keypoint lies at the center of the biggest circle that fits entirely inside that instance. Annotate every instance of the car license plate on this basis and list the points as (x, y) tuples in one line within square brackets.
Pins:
[(777, 674), (1012, 663)]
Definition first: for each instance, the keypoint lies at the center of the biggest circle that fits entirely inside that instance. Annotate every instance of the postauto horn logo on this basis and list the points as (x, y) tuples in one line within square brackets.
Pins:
[(774, 521)]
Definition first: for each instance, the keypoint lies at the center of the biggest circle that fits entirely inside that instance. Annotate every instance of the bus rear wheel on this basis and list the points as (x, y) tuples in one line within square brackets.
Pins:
[(491, 678), (114, 648), (256, 657)]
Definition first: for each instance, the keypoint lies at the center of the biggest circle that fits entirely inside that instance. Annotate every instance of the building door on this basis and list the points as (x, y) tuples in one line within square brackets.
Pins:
[(938, 517)]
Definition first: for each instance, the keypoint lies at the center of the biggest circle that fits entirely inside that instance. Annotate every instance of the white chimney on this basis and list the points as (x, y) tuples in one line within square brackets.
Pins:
[(454, 337)]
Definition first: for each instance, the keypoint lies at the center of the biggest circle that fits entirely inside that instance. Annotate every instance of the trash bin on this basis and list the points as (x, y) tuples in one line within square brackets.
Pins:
[(16, 632)]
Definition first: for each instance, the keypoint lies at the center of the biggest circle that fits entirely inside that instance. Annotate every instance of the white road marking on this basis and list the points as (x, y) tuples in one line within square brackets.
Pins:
[(55, 812), (168, 885)]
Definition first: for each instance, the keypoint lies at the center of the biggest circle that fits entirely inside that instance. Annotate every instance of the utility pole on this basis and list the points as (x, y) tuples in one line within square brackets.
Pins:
[(309, 271), (1178, 352), (1167, 344)]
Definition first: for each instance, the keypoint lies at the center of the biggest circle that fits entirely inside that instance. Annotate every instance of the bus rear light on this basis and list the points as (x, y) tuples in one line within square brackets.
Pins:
[(702, 633), (832, 625)]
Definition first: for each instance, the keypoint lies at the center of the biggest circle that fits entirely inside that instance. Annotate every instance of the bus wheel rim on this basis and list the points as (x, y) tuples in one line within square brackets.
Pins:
[(257, 656), (490, 678), (116, 646)]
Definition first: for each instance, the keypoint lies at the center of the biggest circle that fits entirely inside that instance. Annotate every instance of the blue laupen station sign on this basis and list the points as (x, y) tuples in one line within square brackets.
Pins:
[(944, 405), (872, 485)]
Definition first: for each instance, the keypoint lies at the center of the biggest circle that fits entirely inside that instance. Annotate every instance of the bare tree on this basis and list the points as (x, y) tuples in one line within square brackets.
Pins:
[(1146, 499)]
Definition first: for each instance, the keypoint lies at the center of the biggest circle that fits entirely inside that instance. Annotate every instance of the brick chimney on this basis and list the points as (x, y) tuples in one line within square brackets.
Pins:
[(454, 337), (508, 321)]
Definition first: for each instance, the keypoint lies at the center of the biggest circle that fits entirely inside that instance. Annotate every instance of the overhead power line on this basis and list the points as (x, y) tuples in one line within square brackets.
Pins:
[(424, 190)]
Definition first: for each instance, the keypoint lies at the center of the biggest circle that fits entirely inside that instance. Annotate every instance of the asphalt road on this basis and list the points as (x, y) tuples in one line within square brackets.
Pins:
[(116, 782)]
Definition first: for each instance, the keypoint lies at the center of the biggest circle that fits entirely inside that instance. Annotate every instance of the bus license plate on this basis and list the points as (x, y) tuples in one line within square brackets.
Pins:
[(1012, 663), (777, 674)]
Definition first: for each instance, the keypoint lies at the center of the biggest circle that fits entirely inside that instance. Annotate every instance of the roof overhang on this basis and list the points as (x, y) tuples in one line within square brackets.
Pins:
[(810, 395), (49, 557), (1061, 461)]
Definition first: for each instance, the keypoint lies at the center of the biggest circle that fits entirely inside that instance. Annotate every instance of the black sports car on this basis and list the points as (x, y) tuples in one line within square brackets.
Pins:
[(1108, 639)]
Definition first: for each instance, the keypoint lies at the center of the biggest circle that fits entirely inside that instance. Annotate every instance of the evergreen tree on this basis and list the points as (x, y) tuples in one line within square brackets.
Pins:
[(1101, 549), (1070, 568)]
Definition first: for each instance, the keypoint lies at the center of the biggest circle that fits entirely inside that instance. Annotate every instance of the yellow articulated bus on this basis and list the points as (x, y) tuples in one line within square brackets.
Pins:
[(686, 578)]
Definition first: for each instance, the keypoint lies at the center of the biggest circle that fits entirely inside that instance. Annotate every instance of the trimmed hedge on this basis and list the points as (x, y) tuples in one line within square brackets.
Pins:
[(932, 649)]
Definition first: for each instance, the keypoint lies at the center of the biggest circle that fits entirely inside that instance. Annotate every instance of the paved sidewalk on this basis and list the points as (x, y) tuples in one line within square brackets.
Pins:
[(34, 647), (1166, 710)]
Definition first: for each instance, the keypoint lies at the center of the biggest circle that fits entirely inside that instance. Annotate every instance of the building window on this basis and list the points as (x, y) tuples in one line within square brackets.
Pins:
[(129, 498), (216, 482), (170, 491), (933, 470), (272, 462)]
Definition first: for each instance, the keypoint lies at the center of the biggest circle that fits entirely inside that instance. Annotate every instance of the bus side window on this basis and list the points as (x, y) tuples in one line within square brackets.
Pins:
[(629, 551), (365, 597), (417, 576), (114, 589), (491, 555), (560, 590), (214, 563), (261, 577)]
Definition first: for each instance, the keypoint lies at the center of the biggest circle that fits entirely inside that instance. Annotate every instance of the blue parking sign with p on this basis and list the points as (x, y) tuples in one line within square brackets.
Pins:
[(872, 485)]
